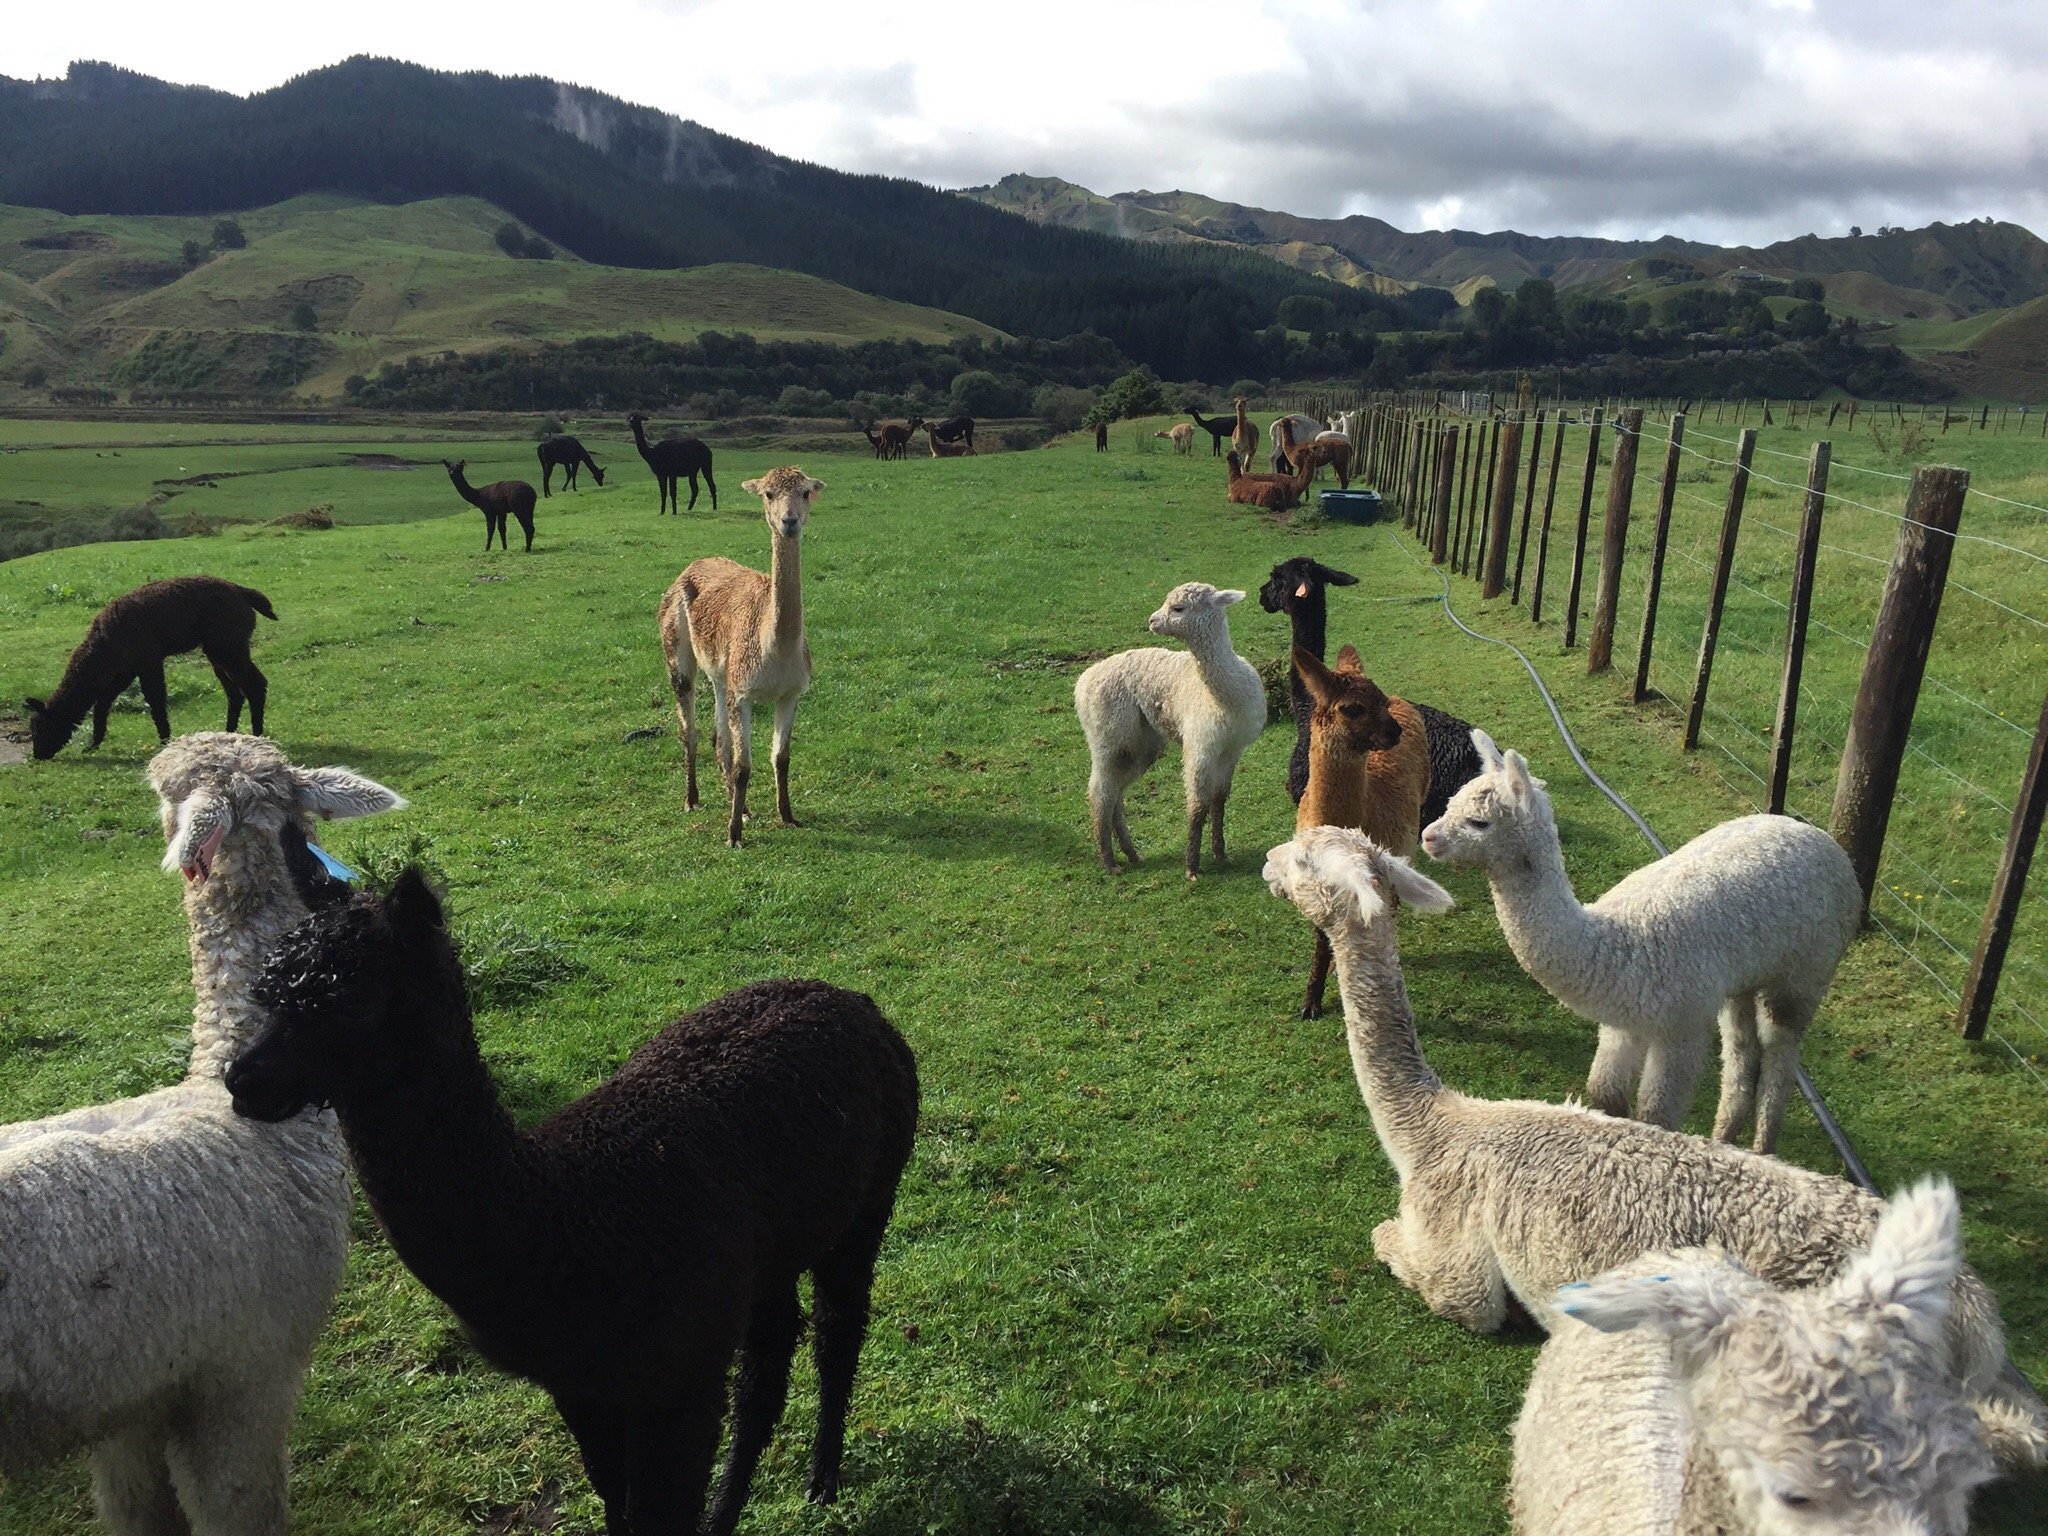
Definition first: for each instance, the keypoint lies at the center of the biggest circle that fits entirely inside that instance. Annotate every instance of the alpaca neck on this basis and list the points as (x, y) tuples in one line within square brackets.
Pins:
[(640, 442), (1403, 1096), (449, 1176), (1217, 663), (1310, 621), (785, 620), (1549, 932), (1337, 785), (235, 917), (466, 491)]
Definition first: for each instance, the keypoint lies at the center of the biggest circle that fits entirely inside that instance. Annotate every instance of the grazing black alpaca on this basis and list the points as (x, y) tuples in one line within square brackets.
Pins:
[(1219, 429), (566, 454), (497, 501), (1102, 437), (672, 459), (1296, 588), (129, 639), (953, 429), (621, 1252)]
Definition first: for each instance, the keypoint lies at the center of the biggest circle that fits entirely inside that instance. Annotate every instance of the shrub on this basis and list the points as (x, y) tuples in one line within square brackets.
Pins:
[(511, 239), (34, 376), (980, 393), (228, 236), (193, 253), (1806, 321), (1137, 393), (304, 317), (1306, 312), (354, 385), (1807, 288), (1251, 389), (796, 400), (1061, 407)]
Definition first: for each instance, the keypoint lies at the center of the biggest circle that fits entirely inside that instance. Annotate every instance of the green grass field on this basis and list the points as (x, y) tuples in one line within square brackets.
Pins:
[(1130, 1286)]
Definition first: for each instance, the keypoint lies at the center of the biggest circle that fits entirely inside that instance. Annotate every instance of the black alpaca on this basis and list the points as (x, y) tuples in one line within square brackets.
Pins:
[(499, 500), (672, 459), (129, 639), (566, 454), (952, 430), (1102, 437), (1296, 587), (1219, 429), (624, 1250)]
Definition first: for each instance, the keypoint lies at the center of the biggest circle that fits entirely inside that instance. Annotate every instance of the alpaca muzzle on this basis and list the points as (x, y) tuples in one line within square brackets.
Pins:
[(262, 1089)]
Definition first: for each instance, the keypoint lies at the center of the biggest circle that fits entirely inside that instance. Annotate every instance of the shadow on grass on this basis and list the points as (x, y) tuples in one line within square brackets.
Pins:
[(974, 1481)]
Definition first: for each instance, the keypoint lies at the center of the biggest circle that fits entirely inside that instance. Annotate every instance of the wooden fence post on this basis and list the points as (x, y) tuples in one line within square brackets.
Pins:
[(1571, 613), (2006, 889), (1502, 523), (1724, 566), (1621, 490), (1795, 630), (1893, 666), (1528, 507), (1666, 494), (1464, 491), (1482, 508), (1543, 536), (1440, 503)]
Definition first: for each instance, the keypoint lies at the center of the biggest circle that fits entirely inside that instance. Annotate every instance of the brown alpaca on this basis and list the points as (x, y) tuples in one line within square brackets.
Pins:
[(1244, 437), (746, 631), (1182, 436), (1333, 451), (1368, 768), (128, 641), (889, 440), (497, 501), (1273, 493), (1102, 437), (942, 449)]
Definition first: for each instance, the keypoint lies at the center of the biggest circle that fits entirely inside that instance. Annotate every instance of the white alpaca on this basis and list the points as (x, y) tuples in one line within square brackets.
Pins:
[(1681, 1396), (1208, 698), (1342, 428), (1306, 428), (1746, 922), (166, 1266), (1516, 1197)]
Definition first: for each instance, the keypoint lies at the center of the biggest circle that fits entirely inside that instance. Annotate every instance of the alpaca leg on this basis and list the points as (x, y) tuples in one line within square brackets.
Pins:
[(710, 485), (693, 491), (682, 678), (152, 679), (785, 722), (1123, 835), (1740, 1058), (1318, 977), (104, 706), (230, 1463), (526, 527), (840, 1289), (721, 730), (1216, 803), (131, 1484), (759, 1390), (257, 687), (1671, 1074), (1781, 1026), (1198, 813), (742, 767), (1106, 811), (229, 687), (1616, 1061)]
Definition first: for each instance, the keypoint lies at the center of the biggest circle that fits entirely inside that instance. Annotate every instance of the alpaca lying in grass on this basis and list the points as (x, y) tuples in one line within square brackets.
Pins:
[(166, 1266), (1269, 493), (1503, 1198), (1747, 921), (624, 1250), (1682, 1396), (129, 639)]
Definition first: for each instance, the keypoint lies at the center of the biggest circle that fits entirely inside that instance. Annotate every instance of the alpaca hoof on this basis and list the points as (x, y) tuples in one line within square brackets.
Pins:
[(791, 821), (1310, 1011), (822, 1491)]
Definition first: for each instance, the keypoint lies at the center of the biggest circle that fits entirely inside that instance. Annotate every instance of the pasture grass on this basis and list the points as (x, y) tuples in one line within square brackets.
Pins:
[(1130, 1285)]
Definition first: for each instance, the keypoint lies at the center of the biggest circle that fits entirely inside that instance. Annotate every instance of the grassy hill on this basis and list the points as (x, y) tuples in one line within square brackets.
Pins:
[(104, 296)]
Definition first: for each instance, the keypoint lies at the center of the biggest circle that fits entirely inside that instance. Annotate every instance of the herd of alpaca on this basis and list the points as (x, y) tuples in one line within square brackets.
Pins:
[(1735, 1345)]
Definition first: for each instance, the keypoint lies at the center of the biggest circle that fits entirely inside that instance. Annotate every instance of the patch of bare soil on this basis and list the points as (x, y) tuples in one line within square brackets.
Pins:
[(1051, 661), (321, 516), (377, 461), (13, 740), (539, 1512)]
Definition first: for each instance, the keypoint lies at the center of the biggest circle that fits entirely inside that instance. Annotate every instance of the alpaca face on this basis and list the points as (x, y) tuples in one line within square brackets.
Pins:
[(1486, 822), (328, 989), (1191, 607), (1338, 875), (1295, 582), (45, 737), (1350, 708), (786, 496)]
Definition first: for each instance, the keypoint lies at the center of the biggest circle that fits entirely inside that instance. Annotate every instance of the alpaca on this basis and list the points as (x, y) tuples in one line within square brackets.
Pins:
[(1516, 1198), (891, 441), (1333, 451), (1219, 428), (1296, 588), (1747, 921), (1368, 768), (953, 429), (746, 632), (1207, 698), (1102, 437), (499, 500), (129, 639), (944, 448), (626, 1249), (673, 459), (168, 1266), (1303, 427), (569, 455), (1181, 435), (1244, 437), (1688, 1398), (1269, 493)]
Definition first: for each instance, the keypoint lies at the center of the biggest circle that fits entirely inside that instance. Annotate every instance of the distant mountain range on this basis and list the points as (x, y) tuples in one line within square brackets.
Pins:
[(1942, 272)]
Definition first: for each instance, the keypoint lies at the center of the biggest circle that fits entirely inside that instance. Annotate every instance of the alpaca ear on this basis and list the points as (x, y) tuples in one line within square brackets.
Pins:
[(1685, 1303), (815, 486), (1283, 863), (1333, 578), (35, 706), (1320, 681), (339, 793), (1489, 754), (1516, 767), (1225, 599), (1349, 872), (1913, 1256), (1416, 889), (412, 903), (752, 487), (1348, 660)]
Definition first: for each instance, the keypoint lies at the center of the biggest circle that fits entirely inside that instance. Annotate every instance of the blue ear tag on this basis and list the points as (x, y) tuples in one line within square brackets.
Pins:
[(334, 866)]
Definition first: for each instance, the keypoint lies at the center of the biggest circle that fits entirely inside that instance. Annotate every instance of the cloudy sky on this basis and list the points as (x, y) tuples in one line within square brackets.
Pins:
[(1726, 120)]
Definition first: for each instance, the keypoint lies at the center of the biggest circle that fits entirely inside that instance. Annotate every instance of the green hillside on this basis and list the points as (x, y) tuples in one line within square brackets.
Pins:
[(96, 298)]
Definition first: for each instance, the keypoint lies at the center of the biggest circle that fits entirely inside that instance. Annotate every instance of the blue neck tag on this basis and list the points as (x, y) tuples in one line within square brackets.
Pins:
[(334, 866)]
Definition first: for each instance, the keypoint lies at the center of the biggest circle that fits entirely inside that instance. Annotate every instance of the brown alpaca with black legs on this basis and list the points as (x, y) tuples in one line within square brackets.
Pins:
[(128, 641), (891, 441), (627, 1249), (498, 501), (568, 455), (674, 459), (1102, 437), (1333, 451)]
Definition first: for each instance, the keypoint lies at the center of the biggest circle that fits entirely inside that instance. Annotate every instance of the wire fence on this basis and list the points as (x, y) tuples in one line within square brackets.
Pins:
[(1975, 721)]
